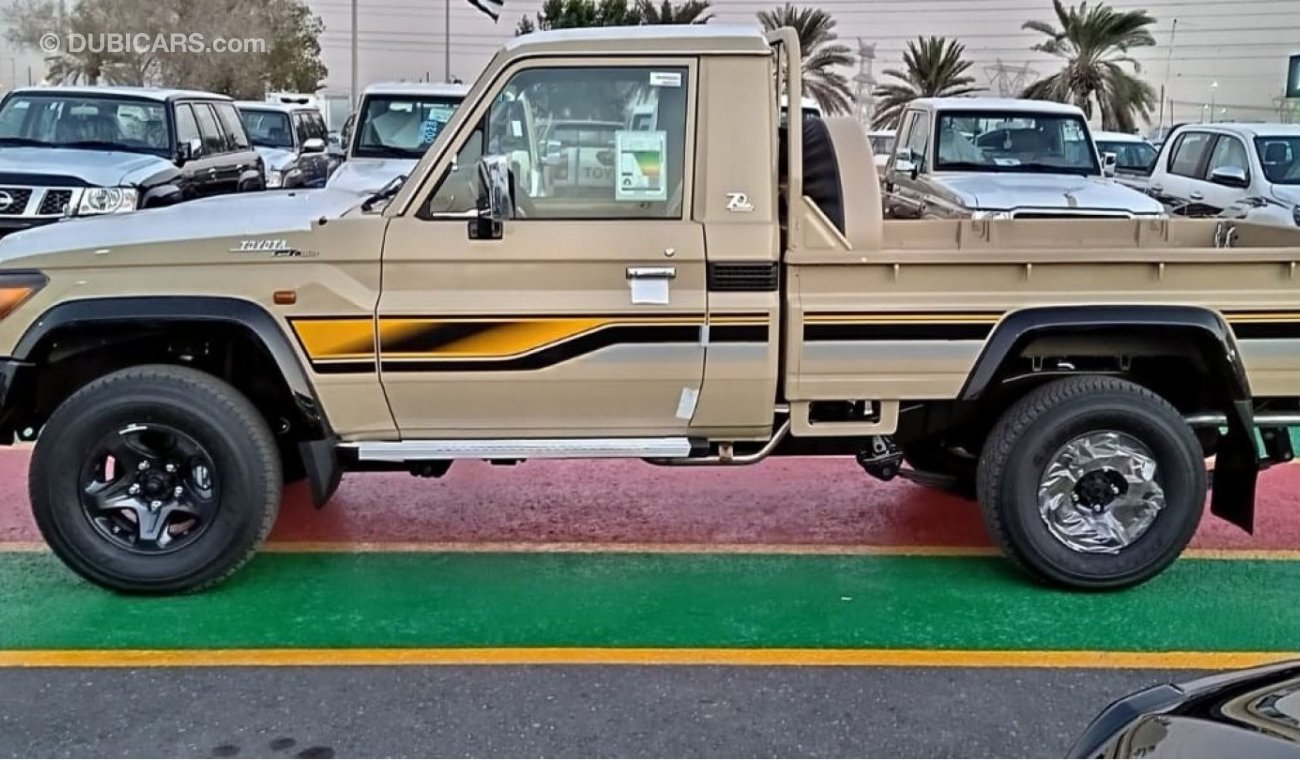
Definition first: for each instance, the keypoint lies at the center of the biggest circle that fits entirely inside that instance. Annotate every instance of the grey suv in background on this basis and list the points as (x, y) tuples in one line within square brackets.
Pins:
[(293, 141)]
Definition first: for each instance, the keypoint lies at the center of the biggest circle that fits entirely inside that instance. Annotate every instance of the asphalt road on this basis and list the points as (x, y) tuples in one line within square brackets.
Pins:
[(552, 711)]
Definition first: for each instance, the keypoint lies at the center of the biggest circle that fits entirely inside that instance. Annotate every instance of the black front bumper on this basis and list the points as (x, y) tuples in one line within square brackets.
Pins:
[(10, 224)]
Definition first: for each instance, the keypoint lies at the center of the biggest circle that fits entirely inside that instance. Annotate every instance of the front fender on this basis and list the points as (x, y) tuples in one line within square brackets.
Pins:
[(1236, 459)]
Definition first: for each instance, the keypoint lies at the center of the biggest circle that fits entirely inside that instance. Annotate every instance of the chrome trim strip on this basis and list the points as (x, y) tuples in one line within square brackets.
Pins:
[(520, 448)]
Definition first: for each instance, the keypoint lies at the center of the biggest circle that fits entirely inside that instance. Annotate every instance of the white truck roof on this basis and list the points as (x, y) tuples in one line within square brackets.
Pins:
[(437, 89), (997, 104)]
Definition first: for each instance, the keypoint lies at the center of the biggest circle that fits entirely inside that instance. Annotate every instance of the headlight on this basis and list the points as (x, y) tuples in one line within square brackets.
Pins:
[(107, 200), (990, 215), (16, 288), (274, 178)]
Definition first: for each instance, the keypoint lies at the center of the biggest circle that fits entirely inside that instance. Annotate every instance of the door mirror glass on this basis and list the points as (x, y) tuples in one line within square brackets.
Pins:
[(313, 145), (1230, 176), (495, 198), (1108, 163), (189, 150), (495, 201)]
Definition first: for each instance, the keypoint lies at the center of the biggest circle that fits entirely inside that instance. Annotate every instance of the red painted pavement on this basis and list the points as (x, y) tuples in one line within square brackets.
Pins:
[(784, 501)]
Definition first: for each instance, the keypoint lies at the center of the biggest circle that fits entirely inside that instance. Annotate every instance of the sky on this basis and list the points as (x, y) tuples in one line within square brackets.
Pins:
[(1242, 45)]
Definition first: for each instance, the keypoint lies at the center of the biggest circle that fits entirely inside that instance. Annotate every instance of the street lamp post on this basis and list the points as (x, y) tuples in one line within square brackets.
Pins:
[(1214, 91)]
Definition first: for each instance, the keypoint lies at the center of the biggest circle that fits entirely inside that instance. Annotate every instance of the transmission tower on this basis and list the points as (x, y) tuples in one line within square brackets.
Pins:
[(1009, 81), (864, 98)]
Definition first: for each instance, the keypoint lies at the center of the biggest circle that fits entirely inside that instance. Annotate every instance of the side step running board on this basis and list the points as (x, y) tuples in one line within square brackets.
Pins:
[(520, 448)]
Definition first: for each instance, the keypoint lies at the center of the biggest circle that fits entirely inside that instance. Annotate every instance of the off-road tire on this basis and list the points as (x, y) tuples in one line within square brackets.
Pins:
[(204, 407), (1029, 434)]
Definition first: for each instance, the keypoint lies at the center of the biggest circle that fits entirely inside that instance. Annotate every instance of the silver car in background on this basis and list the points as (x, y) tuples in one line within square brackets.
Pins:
[(1002, 159), (395, 125)]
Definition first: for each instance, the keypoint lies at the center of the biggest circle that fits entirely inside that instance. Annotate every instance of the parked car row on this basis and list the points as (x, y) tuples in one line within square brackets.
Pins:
[(82, 151)]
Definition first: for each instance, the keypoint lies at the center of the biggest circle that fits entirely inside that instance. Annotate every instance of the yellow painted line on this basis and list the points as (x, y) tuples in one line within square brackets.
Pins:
[(911, 658), (596, 547)]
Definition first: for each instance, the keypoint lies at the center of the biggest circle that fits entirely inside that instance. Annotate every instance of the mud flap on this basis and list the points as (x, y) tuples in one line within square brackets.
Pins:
[(1236, 469), (321, 461)]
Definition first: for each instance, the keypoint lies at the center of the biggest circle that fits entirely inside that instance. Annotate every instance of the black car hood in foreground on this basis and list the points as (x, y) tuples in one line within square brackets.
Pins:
[(1247, 713)]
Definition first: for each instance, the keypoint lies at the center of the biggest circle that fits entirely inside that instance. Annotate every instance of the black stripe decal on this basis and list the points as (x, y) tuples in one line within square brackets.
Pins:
[(343, 368), (558, 353), (437, 335), (738, 333), (896, 331), (1265, 330)]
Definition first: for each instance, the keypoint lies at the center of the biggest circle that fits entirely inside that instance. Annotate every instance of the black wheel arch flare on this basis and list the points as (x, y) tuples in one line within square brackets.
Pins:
[(1236, 459)]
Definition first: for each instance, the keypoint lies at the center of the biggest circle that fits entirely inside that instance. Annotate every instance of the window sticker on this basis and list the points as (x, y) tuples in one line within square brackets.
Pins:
[(665, 79), (641, 160)]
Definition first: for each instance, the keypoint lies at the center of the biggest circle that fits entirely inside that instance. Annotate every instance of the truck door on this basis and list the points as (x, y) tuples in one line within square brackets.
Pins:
[(585, 317), (905, 185), (1229, 153)]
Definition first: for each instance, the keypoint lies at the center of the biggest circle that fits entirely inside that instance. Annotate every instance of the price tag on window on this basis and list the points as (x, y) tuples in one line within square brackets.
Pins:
[(665, 79)]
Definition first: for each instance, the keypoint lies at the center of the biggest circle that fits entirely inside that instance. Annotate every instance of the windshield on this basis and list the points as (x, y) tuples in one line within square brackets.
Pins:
[(84, 121), (268, 129), (882, 145), (401, 126), (1134, 156), (1280, 157), (1014, 142)]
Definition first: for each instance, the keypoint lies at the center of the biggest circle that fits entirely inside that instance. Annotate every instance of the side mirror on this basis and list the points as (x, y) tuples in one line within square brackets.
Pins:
[(552, 153), (1230, 176), (1109, 162), (496, 201), (906, 163), (313, 145), (189, 150)]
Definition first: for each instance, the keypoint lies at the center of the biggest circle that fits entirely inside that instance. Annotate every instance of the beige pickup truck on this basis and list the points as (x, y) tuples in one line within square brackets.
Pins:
[(734, 295)]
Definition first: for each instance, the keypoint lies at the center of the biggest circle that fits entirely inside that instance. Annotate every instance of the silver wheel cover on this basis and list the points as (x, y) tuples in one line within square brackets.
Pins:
[(1099, 493)]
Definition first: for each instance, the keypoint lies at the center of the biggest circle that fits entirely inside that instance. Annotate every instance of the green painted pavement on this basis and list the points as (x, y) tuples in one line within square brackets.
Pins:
[(654, 600)]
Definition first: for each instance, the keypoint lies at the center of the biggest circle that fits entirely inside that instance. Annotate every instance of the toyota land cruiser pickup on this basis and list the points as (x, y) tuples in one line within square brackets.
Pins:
[(734, 294)]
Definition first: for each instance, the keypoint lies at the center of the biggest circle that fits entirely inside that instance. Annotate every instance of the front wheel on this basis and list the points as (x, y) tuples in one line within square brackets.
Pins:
[(1092, 483), (155, 479)]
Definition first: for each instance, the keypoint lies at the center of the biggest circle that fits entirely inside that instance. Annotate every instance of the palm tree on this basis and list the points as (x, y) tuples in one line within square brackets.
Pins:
[(935, 67), (821, 54), (687, 12), (1094, 42)]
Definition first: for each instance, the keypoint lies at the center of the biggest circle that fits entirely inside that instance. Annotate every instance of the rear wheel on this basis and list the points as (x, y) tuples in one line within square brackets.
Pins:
[(1092, 482), (155, 479)]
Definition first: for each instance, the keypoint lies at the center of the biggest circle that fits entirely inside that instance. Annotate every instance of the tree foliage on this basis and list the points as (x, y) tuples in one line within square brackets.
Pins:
[(933, 67), (164, 47), (822, 54), (579, 14), (1094, 42)]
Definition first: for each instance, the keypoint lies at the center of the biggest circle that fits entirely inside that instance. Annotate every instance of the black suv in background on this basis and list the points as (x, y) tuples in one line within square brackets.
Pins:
[(81, 151)]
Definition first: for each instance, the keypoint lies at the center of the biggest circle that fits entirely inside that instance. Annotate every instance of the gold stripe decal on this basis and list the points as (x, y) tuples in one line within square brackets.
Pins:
[(457, 344)]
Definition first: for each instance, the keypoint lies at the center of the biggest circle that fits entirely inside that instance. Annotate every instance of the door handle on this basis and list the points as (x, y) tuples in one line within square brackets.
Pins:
[(651, 273), (1197, 196), (1156, 188), (212, 170)]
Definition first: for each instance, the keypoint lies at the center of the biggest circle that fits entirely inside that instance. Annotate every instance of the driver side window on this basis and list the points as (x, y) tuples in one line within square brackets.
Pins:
[(582, 143)]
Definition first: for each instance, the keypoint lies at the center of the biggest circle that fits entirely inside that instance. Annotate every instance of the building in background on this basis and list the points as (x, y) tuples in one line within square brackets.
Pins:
[(1245, 47)]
